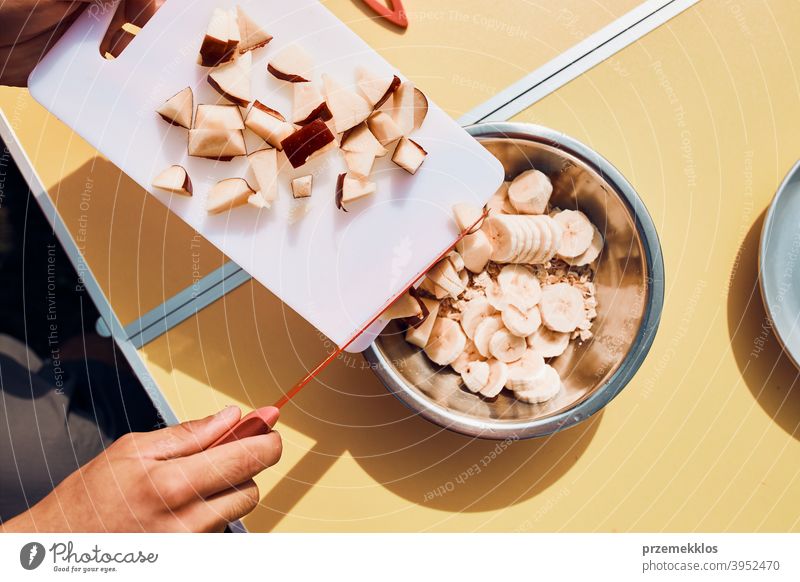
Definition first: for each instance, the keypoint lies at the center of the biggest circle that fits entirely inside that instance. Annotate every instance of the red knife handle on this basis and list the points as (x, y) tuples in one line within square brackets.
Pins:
[(258, 422)]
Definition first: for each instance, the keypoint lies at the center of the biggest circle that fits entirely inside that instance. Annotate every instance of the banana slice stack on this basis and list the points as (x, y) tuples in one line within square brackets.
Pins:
[(509, 298)]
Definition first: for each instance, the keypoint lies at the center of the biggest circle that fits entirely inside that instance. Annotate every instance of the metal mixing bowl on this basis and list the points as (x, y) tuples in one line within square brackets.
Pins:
[(630, 294)]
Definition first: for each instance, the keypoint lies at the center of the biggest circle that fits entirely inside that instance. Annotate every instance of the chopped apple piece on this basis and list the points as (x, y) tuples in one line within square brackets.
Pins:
[(177, 110), (268, 124), (402, 109), (234, 36), (350, 188), (292, 64), (228, 194), (301, 186), (216, 144), (384, 128), (232, 80), (264, 164), (420, 108), (308, 104), (214, 49), (258, 201), (358, 163), (376, 90), (420, 334), (175, 180), (348, 108), (404, 306), (467, 216), (360, 140), (252, 35), (409, 155), (306, 141), (218, 117)]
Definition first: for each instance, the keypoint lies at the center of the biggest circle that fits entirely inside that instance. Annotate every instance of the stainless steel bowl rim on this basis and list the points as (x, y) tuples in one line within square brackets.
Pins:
[(601, 396)]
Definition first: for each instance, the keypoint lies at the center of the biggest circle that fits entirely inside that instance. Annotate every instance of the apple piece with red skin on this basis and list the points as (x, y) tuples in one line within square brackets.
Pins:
[(347, 107), (301, 186), (350, 188), (174, 180), (251, 34), (214, 48), (234, 36), (306, 141), (216, 144), (232, 80), (420, 108), (409, 155), (268, 124), (402, 107), (264, 164), (384, 128), (177, 110), (292, 64), (375, 89), (308, 104), (228, 194), (210, 116)]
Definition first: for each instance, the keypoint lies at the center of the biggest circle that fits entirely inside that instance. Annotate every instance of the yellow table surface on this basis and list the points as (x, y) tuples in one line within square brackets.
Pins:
[(701, 115)]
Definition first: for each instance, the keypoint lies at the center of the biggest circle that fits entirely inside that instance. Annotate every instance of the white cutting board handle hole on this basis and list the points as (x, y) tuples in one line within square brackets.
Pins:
[(112, 20)]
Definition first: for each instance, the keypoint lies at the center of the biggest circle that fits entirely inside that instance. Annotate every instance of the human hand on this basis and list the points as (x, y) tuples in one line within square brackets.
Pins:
[(160, 481), (31, 27)]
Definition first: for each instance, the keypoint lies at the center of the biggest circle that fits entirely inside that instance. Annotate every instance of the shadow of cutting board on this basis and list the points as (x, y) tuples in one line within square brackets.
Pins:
[(336, 269)]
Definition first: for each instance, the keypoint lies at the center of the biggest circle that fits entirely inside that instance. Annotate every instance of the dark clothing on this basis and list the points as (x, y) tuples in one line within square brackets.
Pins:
[(56, 420)]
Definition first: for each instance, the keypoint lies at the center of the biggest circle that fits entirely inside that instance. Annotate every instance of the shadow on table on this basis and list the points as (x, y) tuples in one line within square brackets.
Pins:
[(139, 252), (767, 370), (347, 410)]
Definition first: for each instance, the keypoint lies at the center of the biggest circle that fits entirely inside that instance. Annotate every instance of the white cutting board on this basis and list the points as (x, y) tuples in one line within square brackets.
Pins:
[(336, 269)]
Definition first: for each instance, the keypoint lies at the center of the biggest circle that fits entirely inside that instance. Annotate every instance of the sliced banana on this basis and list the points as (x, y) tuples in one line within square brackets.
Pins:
[(470, 354), (549, 343), (484, 332), (446, 341), (507, 347), (496, 297), (476, 376), (530, 192), (476, 250), (503, 237), (521, 371), (498, 375), (591, 254), (499, 203), (520, 282), (577, 233), (521, 322), (561, 307), (545, 239), (558, 232), (541, 386), (475, 311)]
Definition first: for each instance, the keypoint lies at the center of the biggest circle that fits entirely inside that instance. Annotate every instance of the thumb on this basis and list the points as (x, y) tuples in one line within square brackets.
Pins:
[(188, 438)]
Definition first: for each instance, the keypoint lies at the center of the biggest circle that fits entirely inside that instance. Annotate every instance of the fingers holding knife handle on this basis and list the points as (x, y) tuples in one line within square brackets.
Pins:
[(258, 422)]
